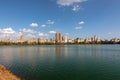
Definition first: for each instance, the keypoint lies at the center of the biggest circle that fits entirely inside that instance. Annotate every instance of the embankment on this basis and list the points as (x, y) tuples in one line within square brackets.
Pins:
[(7, 75)]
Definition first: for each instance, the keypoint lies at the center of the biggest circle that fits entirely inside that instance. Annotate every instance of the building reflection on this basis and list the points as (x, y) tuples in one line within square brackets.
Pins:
[(58, 51)]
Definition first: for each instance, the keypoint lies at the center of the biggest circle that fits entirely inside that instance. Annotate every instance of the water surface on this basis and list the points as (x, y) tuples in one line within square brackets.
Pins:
[(63, 62)]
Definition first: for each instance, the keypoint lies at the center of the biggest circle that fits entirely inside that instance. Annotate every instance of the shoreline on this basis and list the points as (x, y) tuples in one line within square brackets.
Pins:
[(6, 74), (54, 44), (34, 44)]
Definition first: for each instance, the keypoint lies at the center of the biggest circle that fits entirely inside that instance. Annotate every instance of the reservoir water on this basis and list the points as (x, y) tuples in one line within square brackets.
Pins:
[(63, 62)]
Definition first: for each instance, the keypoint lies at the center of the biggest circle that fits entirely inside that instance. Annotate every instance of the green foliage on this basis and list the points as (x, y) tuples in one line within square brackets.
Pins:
[(48, 43)]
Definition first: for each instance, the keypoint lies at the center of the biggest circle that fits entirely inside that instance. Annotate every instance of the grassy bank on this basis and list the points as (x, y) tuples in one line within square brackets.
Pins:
[(6, 75)]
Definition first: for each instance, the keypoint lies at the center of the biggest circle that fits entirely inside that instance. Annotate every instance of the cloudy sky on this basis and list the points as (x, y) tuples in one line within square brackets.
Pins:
[(75, 18)]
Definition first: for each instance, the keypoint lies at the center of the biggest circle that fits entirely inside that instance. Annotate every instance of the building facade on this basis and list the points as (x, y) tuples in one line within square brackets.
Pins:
[(58, 37)]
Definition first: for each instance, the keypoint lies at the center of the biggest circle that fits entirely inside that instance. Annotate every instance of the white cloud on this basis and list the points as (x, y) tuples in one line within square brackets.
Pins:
[(34, 25), (27, 30), (66, 33), (78, 28), (109, 33), (69, 2), (43, 25), (50, 22), (42, 34), (52, 32), (7, 31), (3, 36), (81, 22), (16, 35), (30, 36), (76, 8)]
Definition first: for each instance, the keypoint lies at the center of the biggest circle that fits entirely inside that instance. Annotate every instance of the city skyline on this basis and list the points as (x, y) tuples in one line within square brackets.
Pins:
[(74, 18), (58, 39)]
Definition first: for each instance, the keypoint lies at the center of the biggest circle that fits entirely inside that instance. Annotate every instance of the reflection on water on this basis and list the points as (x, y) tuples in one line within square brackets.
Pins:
[(58, 51), (63, 62)]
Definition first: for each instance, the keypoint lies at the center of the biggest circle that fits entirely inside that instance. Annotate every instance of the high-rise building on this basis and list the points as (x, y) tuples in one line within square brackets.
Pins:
[(58, 37), (95, 38)]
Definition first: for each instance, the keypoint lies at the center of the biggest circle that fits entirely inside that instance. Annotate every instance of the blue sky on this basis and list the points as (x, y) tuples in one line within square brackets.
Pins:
[(75, 18)]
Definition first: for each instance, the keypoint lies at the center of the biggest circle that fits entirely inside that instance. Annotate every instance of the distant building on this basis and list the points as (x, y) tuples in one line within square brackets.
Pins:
[(115, 40), (65, 39), (9, 40), (58, 37), (95, 38), (32, 40), (79, 40), (40, 40), (22, 38), (51, 40)]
